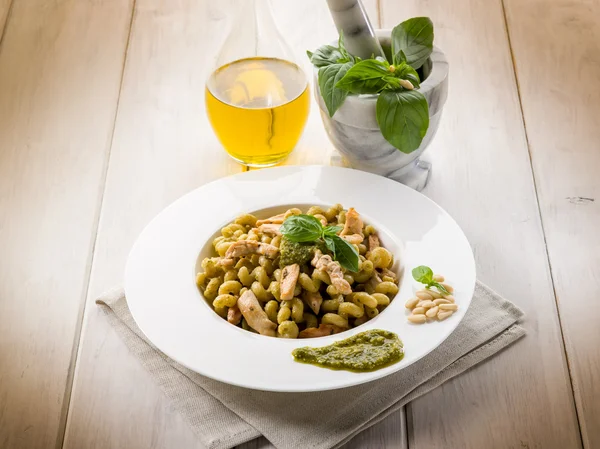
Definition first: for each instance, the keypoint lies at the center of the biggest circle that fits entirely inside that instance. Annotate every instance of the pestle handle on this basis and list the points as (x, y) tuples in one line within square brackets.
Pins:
[(351, 17)]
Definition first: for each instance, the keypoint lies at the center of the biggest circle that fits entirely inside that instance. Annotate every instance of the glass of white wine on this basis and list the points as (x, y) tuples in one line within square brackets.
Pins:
[(257, 98)]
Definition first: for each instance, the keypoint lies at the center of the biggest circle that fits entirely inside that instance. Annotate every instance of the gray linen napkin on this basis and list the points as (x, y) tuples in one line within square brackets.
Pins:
[(224, 416)]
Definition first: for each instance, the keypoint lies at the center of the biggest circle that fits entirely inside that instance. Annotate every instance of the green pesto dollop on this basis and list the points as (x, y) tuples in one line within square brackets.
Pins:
[(368, 351), (294, 252)]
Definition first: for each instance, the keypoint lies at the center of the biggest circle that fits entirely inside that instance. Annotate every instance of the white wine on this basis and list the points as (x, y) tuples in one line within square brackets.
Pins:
[(258, 108)]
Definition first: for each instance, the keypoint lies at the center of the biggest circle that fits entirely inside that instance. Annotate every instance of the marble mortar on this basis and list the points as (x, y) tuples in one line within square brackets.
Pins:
[(354, 131)]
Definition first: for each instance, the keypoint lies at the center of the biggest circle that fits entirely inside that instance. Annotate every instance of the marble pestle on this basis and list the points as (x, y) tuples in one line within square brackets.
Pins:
[(351, 17)]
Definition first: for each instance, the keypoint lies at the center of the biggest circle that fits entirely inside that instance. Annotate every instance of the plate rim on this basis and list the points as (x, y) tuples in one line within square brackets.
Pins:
[(375, 375)]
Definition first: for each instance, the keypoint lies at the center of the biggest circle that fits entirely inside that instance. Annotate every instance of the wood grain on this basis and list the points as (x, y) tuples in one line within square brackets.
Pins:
[(163, 147), (372, 8), (61, 69), (562, 125), (4, 11), (482, 176)]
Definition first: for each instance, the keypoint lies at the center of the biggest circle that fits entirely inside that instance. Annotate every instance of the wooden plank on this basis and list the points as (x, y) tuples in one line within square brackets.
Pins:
[(59, 83), (482, 176), (4, 10), (389, 434), (163, 147), (372, 7), (561, 120)]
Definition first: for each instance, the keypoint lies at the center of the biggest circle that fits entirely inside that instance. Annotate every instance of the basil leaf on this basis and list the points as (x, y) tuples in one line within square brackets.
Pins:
[(302, 228), (403, 118), (330, 244), (345, 253), (414, 37), (440, 287), (309, 54), (331, 230), (400, 57), (392, 81), (325, 55), (423, 274), (347, 57), (366, 77), (406, 72), (328, 78)]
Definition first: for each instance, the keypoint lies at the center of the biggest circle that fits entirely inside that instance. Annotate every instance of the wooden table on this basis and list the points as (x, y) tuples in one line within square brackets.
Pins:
[(102, 124)]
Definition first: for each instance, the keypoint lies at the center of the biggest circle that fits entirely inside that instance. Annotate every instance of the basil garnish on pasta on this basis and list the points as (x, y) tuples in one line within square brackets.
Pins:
[(306, 228), (302, 228)]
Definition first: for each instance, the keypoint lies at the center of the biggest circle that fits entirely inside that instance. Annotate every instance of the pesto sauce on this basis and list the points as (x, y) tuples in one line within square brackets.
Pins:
[(368, 351), (293, 252)]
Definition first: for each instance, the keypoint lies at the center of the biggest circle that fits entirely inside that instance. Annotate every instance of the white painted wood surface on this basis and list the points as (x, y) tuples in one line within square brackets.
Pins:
[(482, 177), (163, 146), (60, 69), (561, 117), (61, 65)]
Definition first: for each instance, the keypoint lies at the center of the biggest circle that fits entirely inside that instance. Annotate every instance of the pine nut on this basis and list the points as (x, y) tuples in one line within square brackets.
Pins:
[(432, 303), (449, 307), (447, 287), (417, 319), (411, 303), (435, 294), (424, 295), (431, 313), (406, 84), (443, 315)]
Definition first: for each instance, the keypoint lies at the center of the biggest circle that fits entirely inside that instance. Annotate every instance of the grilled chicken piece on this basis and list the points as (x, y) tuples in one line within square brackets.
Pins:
[(373, 242), (355, 239), (275, 219), (234, 316), (373, 282), (321, 331), (313, 300), (353, 223), (320, 261), (225, 262), (245, 247), (270, 229), (390, 273), (334, 270), (287, 284), (255, 315)]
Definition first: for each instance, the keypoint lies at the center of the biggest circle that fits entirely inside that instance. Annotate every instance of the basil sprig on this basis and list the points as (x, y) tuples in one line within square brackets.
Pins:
[(424, 275), (402, 111), (414, 38), (306, 228), (302, 228), (333, 64)]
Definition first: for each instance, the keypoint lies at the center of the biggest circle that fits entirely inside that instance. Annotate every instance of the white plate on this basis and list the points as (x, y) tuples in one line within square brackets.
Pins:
[(169, 309)]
